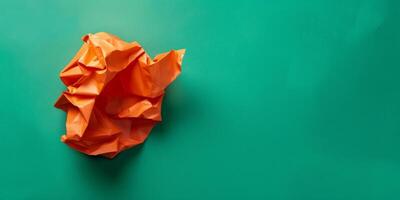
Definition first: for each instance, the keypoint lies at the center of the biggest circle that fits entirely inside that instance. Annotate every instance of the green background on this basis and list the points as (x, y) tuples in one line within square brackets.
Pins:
[(283, 99)]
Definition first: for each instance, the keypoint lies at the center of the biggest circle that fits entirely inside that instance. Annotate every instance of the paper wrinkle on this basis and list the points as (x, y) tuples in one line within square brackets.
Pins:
[(114, 93)]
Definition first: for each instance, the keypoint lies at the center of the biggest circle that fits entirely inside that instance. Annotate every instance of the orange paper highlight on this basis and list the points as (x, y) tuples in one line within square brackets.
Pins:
[(114, 94)]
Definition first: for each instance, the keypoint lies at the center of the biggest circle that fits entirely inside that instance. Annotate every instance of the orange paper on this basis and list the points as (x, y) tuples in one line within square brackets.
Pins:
[(114, 94)]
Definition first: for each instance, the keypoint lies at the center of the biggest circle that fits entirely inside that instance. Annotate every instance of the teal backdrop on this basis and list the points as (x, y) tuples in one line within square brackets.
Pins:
[(277, 99)]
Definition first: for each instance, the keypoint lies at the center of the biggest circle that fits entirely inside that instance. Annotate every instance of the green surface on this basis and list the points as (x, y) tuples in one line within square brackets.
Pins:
[(277, 100)]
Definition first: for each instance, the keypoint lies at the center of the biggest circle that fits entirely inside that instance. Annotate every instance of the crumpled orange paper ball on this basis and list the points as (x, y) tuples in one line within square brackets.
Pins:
[(114, 94)]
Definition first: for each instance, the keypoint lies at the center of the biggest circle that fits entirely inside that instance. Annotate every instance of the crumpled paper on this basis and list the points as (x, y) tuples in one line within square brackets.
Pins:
[(114, 94)]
